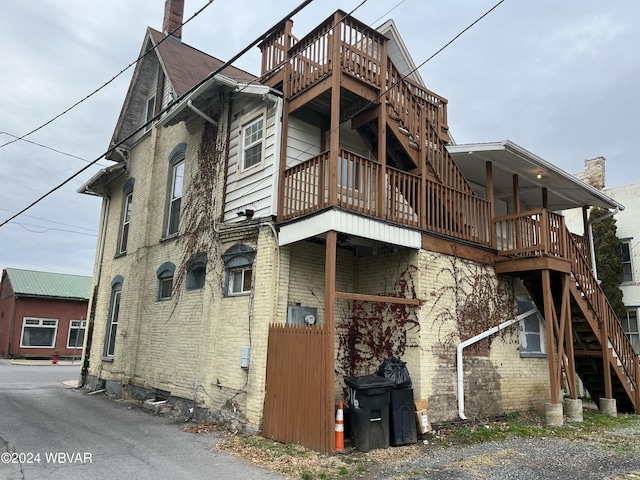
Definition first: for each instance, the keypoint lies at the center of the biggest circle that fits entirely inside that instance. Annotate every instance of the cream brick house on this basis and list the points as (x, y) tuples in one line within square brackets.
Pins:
[(262, 238)]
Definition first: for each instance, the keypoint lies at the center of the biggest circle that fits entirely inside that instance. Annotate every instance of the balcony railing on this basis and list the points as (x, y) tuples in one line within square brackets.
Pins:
[(358, 187), (533, 233)]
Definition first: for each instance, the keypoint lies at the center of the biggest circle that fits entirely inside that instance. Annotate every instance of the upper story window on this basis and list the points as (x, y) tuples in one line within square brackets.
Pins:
[(238, 262), (127, 202), (252, 144), (627, 267), (151, 110), (165, 280), (176, 180), (113, 317)]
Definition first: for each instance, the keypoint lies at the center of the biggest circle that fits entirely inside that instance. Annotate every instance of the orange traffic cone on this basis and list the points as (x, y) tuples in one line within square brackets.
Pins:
[(340, 428)]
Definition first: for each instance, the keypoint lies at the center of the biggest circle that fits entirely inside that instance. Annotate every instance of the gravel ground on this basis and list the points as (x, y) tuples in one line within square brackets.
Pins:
[(614, 455)]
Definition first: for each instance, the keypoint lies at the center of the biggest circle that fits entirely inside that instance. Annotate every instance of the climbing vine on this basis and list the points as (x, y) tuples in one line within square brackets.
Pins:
[(370, 332), (471, 298)]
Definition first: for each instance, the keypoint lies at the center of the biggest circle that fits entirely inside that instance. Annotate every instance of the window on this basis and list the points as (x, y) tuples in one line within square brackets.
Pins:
[(627, 269), (630, 326), (252, 143), (175, 197), (127, 190), (165, 280), (196, 271), (240, 280), (114, 313), (75, 339), (151, 110), (238, 262), (39, 332), (532, 339)]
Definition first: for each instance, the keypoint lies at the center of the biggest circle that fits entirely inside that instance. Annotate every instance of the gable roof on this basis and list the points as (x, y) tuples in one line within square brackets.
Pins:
[(185, 66), (399, 53), (182, 66), (50, 285)]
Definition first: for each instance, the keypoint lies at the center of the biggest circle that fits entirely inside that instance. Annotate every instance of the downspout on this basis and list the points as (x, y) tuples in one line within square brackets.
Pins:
[(202, 114), (592, 249), (470, 341)]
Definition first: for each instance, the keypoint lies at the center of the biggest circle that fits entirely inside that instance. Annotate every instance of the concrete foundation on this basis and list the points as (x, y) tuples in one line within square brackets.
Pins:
[(608, 407), (573, 409), (553, 415)]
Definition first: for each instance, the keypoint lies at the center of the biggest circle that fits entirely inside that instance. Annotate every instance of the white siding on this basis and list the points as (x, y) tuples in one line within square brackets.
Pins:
[(303, 142)]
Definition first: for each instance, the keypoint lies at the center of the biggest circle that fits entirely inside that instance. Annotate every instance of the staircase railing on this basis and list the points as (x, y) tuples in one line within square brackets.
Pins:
[(601, 307)]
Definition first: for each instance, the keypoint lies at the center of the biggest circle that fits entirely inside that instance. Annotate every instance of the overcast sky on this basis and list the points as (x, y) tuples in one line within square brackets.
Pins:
[(561, 79)]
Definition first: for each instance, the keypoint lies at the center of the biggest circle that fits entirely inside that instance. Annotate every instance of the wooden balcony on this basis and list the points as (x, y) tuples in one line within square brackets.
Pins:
[(407, 199)]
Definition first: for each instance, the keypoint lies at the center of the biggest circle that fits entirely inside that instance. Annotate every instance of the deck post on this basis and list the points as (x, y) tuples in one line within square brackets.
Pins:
[(329, 326), (493, 239), (334, 135), (608, 389), (568, 338), (548, 321)]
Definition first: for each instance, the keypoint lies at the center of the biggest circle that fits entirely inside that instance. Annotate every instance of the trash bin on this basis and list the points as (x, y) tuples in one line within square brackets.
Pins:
[(402, 417), (368, 399)]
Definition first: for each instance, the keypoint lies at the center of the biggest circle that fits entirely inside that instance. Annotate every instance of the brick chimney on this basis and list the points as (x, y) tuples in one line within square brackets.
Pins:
[(173, 13), (593, 172)]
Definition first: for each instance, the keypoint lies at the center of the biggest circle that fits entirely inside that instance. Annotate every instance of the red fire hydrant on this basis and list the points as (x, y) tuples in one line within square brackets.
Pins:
[(54, 360)]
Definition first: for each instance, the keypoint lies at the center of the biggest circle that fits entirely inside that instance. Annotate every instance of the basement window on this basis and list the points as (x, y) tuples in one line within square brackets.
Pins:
[(238, 262), (532, 338)]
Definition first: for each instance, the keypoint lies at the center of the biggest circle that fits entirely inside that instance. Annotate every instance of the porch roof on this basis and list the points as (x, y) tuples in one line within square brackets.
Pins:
[(564, 191)]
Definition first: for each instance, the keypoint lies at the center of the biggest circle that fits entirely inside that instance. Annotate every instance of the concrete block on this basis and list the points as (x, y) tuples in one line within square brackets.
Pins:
[(553, 415), (608, 407), (573, 409)]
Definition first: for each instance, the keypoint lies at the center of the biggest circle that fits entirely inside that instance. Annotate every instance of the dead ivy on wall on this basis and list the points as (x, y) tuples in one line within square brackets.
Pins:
[(370, 332), (200, 207), (474, 300)]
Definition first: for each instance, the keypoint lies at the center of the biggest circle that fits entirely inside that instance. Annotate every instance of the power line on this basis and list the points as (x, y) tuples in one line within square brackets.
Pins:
[(108, 82), (50, 221), (391, 87), (164, 110), (49, 148), (24, 225)]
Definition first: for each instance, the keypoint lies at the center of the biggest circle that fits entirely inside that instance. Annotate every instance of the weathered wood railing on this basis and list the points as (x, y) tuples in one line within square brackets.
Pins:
[(601, 307), (274, 49), (533, 233), (361, 51), (457, 214), (358, 187)]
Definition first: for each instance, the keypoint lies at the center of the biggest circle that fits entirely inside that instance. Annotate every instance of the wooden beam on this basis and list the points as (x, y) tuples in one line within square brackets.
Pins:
[(491, 200), (381, 192), (308, 95), (588, 353), (548, 321), (283, 145), (606, 354), (451, 247), (545, 198), (330, 328), (378, 298), (334, 134), (570, 368), (516, 194), (532, 264)]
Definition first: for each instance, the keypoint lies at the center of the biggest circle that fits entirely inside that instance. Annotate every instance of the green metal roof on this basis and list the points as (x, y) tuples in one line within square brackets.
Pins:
[(43, 284)]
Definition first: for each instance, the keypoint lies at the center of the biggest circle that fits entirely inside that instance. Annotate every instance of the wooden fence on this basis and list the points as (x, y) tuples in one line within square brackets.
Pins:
[(299, 401)]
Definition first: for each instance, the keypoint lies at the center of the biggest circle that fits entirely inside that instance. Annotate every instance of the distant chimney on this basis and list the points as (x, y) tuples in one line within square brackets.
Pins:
[(173, 13), (593, 172)]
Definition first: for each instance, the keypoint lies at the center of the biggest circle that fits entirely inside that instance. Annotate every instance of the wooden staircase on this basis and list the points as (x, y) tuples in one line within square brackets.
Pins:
[(604, 357)]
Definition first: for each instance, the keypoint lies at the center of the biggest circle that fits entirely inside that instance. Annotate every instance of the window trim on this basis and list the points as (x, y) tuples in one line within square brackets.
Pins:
[(127, 202), (243, 290), (165, 272), (82, 326), (196, 263), (627, 242), (40, 321), (239, 257), (628, 331), (177, 158), (261, 117), (523, 306), (113, 312)]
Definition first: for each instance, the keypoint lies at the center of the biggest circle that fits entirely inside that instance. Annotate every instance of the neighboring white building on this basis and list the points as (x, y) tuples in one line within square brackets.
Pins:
[(628, 224)]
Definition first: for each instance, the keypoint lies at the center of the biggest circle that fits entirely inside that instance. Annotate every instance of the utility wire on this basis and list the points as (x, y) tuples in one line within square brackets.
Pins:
[(167, 108), (108, 82), (51, 221), (391, 87), (24, 225), (48, 148)]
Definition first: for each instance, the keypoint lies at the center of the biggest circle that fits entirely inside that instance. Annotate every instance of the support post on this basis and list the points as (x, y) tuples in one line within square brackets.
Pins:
[(329, 326), (606, 353), (334, 139), (492, 210), (570, 369), (548, 321)]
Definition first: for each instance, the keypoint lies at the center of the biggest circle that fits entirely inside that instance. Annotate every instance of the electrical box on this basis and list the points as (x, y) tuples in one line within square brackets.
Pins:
[(245, 355), (297, 315)]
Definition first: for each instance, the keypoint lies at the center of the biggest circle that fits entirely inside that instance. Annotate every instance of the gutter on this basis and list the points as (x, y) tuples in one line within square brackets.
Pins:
[(470, 341)]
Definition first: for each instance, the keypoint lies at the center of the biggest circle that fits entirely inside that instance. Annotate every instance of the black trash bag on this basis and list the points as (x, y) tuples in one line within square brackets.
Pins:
[(395, 370)]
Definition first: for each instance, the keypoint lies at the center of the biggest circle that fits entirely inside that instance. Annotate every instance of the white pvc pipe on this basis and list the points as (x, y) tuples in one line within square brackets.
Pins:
[(470, 341)]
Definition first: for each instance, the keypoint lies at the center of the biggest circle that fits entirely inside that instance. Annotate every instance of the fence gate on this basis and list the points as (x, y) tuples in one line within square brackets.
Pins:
[(298, 404)]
